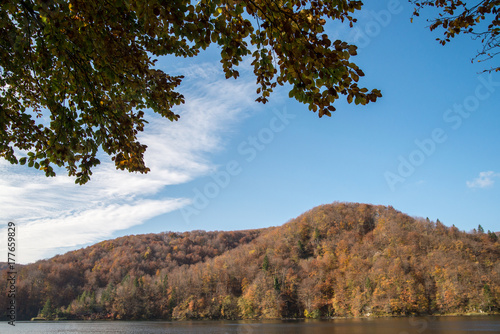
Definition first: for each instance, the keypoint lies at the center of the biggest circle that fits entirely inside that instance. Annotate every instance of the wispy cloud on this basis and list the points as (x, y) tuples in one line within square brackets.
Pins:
[(485, 180), (54, 214), (42, 237)]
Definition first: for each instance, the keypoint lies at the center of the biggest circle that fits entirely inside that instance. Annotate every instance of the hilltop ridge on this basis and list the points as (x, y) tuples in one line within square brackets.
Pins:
[(340, 259)]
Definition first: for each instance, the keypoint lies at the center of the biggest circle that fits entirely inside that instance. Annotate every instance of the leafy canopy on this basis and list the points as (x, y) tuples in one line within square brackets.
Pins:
[(481, 19), (90, 64)]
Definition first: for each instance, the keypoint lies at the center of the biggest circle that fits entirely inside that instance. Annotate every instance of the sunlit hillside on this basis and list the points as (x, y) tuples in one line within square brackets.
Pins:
[(341, 259)]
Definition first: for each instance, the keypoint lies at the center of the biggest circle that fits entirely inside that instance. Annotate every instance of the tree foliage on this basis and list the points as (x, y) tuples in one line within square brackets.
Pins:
[(356, 259), (47, 310), (481, 19), (90, 64)]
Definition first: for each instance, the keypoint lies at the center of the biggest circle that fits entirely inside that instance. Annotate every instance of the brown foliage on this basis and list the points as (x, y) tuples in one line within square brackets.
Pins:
[(337, 259)]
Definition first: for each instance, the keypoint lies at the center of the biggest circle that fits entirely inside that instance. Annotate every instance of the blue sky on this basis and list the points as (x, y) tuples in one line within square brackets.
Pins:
[(428, 147)]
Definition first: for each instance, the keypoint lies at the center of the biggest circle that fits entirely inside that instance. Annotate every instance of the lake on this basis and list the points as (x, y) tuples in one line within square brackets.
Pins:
[(417, 325)]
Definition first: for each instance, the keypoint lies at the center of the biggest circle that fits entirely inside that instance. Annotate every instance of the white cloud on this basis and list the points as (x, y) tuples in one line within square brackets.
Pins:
[(54, 214), (42, 237), (485, 180)]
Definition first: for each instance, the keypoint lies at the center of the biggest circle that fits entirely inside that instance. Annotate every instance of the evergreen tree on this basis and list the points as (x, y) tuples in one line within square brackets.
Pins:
[(265, 264), (493, 236), (47, 311)]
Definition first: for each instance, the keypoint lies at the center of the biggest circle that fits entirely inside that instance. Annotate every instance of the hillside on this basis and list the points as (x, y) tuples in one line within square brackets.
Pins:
[(3, 266), (341, 259)]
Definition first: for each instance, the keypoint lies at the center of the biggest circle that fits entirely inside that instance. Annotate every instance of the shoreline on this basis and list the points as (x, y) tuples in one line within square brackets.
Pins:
[(467, 314)]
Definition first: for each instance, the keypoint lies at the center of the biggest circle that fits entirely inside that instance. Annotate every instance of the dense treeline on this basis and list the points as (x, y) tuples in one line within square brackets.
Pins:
[(335, 260), (74, 279)]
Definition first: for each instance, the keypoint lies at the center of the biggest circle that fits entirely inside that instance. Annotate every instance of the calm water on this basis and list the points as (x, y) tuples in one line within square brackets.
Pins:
[(424, 325)]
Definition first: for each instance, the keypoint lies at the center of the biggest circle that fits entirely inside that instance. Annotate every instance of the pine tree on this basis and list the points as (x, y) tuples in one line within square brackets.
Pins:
[(265, 264), (47, 311)]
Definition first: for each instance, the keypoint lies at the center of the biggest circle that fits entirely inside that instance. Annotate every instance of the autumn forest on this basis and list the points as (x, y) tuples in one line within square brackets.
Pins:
[(342, 259)]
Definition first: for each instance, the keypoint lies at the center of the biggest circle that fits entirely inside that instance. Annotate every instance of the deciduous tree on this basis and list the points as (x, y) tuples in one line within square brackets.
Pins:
[(481, 19), (91, 65)]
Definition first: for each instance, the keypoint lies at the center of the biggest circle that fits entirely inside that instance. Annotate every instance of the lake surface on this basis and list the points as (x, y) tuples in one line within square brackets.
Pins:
[(418, 325)]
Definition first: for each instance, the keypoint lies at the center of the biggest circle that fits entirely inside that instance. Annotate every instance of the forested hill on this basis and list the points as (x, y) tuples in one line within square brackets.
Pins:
[(334, 260)]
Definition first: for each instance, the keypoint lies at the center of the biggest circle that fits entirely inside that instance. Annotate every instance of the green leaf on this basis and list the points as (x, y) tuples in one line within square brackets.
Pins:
[(214, 37)]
